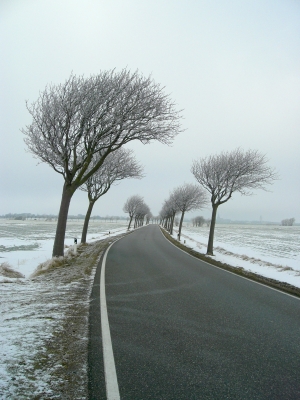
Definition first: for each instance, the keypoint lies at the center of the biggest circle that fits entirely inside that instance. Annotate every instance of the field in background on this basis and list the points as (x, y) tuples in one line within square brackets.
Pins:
[(282, 242), (25, 244)]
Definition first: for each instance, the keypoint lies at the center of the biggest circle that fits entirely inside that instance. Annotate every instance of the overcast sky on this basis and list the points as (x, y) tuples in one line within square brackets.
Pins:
[(233, 66)]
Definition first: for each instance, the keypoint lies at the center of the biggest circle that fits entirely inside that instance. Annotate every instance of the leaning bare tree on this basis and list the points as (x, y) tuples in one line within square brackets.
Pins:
[(236, 171), (131, 206), (84, 117), (118, 165), (188, 197)]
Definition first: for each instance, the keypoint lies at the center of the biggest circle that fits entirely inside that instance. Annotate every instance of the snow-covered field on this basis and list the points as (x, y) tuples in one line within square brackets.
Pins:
[(26, 244), (272, 251)]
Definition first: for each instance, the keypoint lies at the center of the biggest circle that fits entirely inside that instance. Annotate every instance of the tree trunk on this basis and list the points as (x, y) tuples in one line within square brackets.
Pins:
[(86, 222), (180, 225), (167, 224), (210, 246), (129, 223), (59, 241), (172, 224)]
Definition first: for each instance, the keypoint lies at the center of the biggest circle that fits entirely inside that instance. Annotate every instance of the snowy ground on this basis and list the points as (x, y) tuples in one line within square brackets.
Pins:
[(273, 252), (26, 244), (43, 319), (44, 323)]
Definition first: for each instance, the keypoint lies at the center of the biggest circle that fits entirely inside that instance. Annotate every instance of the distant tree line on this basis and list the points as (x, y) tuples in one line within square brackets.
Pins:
[(27, 216), (24, 216)]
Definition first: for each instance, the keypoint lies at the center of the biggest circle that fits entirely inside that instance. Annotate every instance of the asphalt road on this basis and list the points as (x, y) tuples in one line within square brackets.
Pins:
[(183, 329)]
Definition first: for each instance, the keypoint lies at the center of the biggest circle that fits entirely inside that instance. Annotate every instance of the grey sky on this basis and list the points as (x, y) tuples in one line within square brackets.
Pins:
[(233, 66)]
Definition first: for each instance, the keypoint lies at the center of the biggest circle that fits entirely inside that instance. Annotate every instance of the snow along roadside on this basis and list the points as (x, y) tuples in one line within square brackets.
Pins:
[(44, 329), (276, 276)]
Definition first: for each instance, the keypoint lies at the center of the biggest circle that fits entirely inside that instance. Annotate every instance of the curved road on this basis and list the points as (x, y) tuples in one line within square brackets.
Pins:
[(183, 329)]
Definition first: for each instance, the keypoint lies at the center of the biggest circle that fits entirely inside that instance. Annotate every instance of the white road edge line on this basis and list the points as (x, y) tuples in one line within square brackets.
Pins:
[(222, 269), (111, 381)]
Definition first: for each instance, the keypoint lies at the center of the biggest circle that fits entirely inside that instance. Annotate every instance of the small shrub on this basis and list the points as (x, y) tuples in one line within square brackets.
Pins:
[(286, 269)]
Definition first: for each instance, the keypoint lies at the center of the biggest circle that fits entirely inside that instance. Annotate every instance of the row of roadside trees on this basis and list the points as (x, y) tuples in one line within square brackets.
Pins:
[(219, 176), (80, 129), (137, 210), (185, 198)]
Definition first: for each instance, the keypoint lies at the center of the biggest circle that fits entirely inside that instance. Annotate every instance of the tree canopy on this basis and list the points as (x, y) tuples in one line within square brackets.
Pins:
[(228, 172), (118, 165), (85, 119)]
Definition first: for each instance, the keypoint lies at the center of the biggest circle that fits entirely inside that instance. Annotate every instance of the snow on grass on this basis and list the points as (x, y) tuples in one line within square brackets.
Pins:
[(44, 327), (7, 271), (44, 319), (238, 255)]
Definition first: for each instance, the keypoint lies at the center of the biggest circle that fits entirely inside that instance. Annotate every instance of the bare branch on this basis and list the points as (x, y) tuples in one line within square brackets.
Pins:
[(82, 117), (189, 197), (222, 175), (119, 165)]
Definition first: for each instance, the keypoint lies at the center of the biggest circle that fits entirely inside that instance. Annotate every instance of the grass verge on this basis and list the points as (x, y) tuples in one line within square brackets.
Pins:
[(283, 286), (7, 271), (49, 322)]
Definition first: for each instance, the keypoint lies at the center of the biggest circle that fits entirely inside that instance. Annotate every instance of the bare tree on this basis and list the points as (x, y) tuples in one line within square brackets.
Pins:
[(118, 165), (74, 121), (188, 197), (198, 221), (288, 222), (236, 171), (131, 206)]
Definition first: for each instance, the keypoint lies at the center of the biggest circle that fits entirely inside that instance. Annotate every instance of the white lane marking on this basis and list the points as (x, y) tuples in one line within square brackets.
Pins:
[(222, 269), (111, 381)]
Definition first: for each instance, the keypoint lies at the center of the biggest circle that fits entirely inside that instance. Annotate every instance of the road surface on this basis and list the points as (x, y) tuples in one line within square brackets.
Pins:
[(183, 329)]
